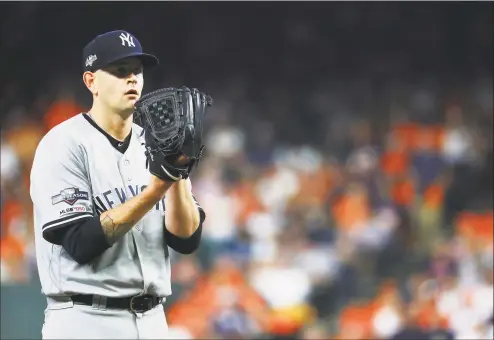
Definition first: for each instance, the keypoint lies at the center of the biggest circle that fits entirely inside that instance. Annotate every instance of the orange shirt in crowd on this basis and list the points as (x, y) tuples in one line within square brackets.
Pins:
[(196, 308), (394, 163), (476, 227), (403, 192), (11, 210), (352, 209), (357, 316), (428, 138), (60, 111), (313, 187), (433, 196), (245, 195), (405, 134), (24, 140)]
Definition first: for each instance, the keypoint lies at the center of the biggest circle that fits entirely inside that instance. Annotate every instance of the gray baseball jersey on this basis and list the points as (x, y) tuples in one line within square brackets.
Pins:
[(77, 174)]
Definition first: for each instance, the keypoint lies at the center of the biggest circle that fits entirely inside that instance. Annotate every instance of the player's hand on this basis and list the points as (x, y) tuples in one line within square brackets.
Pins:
[(181, 160), (170, 168)]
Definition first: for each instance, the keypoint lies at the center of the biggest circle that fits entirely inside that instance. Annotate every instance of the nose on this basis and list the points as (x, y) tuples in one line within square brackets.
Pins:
[(132, 78)]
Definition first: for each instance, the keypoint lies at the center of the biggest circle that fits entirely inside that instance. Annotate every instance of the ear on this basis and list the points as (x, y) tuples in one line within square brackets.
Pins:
[(89, 80)]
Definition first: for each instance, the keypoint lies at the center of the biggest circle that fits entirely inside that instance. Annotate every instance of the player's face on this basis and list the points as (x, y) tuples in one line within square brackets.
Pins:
[(119, 85)]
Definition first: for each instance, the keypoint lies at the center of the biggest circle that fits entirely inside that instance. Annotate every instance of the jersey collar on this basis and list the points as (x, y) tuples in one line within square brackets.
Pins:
[(120, 146)]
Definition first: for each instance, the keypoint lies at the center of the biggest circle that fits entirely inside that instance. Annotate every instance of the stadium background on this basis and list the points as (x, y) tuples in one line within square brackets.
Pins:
[(348, 174)]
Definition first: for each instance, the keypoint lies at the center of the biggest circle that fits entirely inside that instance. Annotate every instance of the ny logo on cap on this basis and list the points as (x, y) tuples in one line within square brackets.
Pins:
[(127, 38)]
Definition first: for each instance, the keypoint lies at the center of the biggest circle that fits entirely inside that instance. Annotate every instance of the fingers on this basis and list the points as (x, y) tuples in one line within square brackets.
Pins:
[(205, 98), (199, 98), (196, 99), (208, 100)]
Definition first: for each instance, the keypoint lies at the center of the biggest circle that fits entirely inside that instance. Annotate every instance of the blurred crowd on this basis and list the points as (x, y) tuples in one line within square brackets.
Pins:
[(347, 186)]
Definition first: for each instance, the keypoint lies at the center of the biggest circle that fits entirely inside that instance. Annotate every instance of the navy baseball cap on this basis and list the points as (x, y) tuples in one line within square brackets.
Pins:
[(112, 46)]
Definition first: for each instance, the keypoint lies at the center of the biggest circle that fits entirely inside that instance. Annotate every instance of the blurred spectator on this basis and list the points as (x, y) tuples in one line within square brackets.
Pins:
[(231, 321)]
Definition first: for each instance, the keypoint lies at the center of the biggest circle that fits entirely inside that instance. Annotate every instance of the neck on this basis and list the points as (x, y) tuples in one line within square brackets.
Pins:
[(116, 124)]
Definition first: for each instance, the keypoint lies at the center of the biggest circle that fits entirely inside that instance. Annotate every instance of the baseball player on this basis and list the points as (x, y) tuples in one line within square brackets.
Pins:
[(101, 230)]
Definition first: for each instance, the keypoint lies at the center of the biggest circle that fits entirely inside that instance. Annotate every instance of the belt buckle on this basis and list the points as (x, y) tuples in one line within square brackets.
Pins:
[(142, 306)]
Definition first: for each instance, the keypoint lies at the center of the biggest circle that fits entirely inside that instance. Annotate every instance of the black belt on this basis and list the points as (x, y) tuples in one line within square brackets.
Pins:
[(137, 304)]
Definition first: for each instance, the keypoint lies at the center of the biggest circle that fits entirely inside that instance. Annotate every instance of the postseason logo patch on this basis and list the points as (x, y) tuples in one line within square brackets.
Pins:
[(70, 196), (74, 209)]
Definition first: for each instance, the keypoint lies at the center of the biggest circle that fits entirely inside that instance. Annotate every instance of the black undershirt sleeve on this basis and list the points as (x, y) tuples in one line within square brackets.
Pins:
[(84, 240), (186, 245)]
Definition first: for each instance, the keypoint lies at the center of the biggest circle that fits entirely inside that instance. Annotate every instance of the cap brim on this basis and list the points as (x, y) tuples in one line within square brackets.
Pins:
[(148, 60)]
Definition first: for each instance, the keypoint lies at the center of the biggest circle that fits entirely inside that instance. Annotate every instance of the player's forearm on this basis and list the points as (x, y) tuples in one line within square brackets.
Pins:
[(181, 216), (119, 220)]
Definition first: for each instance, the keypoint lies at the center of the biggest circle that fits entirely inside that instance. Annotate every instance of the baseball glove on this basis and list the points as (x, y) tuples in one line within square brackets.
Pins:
[(172, 122)]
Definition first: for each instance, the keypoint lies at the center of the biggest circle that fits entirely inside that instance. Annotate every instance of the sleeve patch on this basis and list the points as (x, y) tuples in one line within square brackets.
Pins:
[(70, 196), (74, 209)]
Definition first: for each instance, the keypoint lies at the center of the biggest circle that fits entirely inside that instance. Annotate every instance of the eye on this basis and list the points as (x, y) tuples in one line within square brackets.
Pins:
[(125, 70), (122, 71), (137, 70)]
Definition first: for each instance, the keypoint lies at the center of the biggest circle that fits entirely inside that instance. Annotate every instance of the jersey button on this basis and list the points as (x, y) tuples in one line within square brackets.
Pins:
[(138, 227), (126, 162), (129, 178)]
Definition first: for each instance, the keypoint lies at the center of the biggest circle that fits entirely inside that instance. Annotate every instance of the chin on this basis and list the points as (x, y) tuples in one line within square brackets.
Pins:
[(127, 111), (130, 105)]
